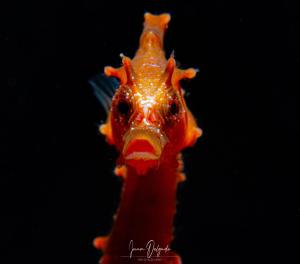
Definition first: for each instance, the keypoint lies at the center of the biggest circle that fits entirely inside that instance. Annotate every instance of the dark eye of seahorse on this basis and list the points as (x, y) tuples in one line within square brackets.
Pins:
[(174, 108), (123, 107)]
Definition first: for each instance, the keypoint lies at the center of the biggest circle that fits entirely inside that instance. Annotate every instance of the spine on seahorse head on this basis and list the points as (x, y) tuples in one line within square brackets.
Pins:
[(154, 29), (149, 60)]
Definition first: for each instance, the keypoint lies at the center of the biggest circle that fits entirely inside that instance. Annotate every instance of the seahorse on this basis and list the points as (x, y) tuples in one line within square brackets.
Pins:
[(149, 124)]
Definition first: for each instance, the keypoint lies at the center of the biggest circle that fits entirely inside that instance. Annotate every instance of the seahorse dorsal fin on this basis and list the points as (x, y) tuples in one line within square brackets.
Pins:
[(124, 73)]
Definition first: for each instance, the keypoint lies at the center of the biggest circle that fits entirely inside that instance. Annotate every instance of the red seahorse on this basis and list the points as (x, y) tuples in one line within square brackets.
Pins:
[(149, 124)]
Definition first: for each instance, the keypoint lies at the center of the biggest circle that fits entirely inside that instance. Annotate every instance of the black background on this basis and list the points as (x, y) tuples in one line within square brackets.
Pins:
[(239, 203)]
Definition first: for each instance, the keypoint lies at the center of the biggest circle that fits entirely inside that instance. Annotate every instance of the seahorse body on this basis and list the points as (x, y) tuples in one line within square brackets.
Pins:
[(149, 124)]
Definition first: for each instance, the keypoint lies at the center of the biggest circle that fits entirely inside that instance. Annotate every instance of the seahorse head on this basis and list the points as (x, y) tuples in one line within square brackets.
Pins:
[(149, 120)]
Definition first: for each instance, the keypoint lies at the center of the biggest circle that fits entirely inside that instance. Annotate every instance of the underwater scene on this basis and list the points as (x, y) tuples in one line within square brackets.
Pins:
[(150, 131)]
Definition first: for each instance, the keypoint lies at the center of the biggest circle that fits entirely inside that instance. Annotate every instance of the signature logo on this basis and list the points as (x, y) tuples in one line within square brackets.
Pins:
[(151, 249)]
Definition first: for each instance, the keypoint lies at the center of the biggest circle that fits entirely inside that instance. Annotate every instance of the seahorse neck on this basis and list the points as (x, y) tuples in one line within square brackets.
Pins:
[(148, 205)]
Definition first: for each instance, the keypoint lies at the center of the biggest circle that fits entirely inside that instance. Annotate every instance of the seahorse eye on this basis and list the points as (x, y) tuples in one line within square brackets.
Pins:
[(123, 107), (174, 108)]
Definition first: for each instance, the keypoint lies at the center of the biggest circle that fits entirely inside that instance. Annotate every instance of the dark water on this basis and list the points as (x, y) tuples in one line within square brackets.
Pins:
[(239, 203)]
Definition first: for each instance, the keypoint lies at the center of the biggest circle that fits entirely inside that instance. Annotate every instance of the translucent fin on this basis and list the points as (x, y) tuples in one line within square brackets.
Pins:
[(104, 89)]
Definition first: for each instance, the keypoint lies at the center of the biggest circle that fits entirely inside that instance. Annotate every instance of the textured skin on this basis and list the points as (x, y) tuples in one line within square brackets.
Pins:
[(150, 86)]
